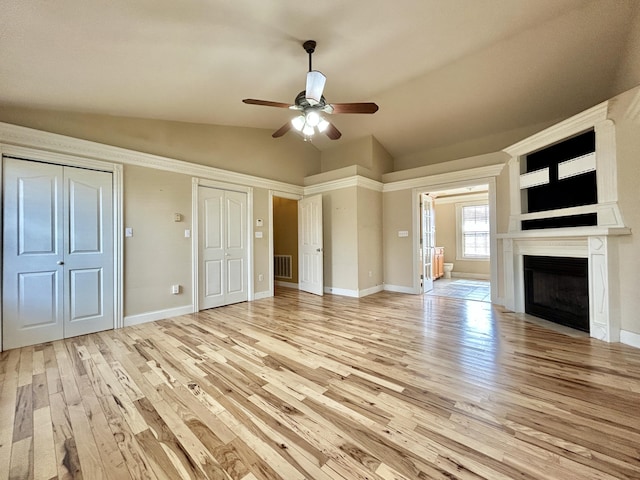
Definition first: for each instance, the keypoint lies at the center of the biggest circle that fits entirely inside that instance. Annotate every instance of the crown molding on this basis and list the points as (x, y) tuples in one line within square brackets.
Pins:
[(576, 124), (430, 181), (353, 181), (52, 142)]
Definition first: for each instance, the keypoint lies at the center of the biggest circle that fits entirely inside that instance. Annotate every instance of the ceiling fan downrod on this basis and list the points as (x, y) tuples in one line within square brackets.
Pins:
[(309, 47)]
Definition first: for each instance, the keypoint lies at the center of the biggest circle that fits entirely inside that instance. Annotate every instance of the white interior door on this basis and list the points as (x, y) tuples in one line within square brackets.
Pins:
[(57, 252), (427, 241), (310, 245), (223, 265), (88, 263)]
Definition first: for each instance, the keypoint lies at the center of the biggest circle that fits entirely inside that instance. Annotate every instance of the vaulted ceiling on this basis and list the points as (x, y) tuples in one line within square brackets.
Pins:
[(442, 71)]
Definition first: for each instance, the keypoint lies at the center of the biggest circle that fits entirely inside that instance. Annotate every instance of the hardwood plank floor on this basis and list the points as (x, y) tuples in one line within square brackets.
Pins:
[(385, 387)]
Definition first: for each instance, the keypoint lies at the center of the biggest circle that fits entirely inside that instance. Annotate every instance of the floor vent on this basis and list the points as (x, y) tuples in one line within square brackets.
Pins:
[(282, 266)]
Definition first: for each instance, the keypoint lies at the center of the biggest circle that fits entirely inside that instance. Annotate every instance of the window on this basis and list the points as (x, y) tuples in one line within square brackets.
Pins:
[(472, 231)]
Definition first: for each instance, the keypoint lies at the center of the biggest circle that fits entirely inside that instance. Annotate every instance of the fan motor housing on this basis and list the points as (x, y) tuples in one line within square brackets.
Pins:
[(302, 102)]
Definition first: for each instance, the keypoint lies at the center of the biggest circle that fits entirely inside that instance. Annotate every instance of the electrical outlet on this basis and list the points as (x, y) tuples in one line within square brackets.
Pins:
[(175, 289), (260, 277)]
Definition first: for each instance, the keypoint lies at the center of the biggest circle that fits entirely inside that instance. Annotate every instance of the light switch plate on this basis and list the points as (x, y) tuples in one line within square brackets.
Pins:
[(128, 232), (258, 234), (403, 233)]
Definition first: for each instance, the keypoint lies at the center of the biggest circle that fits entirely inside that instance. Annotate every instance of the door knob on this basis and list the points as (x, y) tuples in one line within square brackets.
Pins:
[(60, 262), (318, 249)]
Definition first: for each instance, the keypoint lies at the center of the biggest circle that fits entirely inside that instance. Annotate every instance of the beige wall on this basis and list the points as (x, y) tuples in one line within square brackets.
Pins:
[(354, 152), (261, 253), (627, 120), (366, 152), (398, 257), (340, 234), (157, 255), (370, 254), (353, 251), (489, 145), (285, 232), (445, 215), (245, 150), (381, 160)]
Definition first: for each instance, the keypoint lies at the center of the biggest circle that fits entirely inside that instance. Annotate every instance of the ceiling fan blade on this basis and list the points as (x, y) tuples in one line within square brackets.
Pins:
[(282, 130), (315, 87), (364, 107), (332, 132), (266, 103)]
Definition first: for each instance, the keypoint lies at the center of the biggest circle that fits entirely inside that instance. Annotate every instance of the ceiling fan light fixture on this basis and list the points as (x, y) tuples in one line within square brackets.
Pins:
[(298, 122), (322, 125), (311, 105), (313, 118), (315, 87), (308, 130)]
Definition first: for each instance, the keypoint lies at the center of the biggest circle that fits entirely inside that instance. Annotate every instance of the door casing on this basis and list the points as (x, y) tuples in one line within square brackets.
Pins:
[(195, 234)]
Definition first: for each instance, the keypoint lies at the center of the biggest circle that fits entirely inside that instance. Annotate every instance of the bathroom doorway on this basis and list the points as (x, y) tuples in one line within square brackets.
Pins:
[(460, 258)]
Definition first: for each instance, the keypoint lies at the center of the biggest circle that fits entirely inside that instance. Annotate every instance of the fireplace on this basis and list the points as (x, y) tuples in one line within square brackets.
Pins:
[(557, 289), (553, 218)]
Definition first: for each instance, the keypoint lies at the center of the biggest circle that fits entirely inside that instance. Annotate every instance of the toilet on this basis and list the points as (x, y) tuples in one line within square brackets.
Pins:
[(447, 267)]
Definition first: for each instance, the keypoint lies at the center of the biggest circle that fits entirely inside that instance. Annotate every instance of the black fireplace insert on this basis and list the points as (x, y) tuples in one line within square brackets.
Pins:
[(557, 289)]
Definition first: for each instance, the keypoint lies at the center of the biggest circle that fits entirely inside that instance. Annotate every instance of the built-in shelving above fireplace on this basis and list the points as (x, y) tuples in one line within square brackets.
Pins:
[(565, 176)]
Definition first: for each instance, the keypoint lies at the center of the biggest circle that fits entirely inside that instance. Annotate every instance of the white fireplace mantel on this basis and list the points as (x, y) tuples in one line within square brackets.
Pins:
[(597, 244)]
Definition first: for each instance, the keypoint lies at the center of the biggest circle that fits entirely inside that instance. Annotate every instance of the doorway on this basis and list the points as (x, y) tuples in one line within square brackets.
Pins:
[(285, 242), (58, 252), (296, 242), (461, 261)]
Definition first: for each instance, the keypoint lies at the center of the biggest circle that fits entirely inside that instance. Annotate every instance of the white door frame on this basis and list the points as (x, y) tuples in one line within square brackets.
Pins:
[(493, 242), (272, 194), (195, 215), (72, 161)]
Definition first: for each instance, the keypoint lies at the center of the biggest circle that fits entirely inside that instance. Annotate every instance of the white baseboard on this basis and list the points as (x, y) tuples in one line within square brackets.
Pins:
[(399, 289), (370, 290), (630, 338), (280, 283), (157, 315), (353, 293), (476, 276), (341, 291), (261, 295)]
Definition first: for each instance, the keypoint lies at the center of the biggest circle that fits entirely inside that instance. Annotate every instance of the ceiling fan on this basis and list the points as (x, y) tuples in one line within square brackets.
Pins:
[(311, 104)]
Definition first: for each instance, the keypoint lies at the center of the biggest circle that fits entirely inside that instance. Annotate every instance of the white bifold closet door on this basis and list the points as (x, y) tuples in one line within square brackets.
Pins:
[(223, 253), (57, 252)]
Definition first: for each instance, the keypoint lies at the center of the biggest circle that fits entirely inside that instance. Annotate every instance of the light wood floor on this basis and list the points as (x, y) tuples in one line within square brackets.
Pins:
[(390, 386)]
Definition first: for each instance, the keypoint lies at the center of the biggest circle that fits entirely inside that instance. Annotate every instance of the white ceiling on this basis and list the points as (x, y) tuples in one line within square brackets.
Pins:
[(442, 71)]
